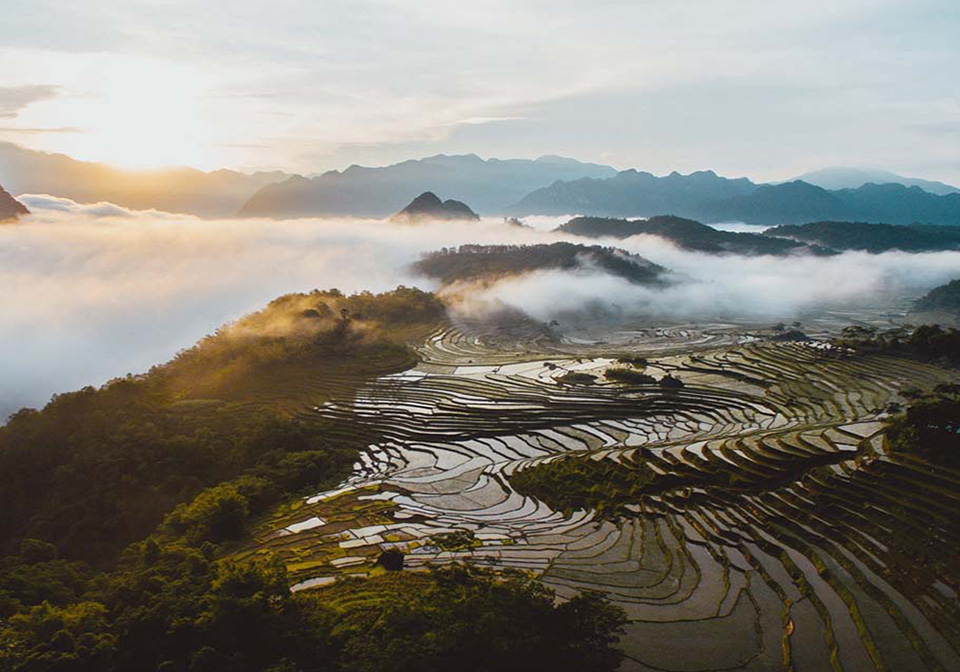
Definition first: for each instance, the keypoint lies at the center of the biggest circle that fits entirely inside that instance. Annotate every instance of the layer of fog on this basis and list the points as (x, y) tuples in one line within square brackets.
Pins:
[(93, 292)]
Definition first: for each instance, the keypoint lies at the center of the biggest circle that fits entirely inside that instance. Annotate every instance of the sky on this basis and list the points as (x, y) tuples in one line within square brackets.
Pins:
[(761, 89)]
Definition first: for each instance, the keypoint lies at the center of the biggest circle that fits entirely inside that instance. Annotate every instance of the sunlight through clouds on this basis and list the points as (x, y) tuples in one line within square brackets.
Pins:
[(764, 89)]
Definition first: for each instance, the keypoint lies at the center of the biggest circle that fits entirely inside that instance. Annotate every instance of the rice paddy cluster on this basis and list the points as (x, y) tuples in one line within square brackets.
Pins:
[(783, 533)]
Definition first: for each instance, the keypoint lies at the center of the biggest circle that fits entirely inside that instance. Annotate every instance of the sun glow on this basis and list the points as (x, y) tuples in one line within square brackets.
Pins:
[(149, 116), (134, 113)]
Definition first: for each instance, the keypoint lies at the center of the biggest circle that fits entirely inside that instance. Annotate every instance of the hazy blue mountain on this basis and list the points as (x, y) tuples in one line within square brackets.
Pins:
[(10, 208), (429, 206), (632, 193), (489, 185), (871, 237), (897, 204), (707, 197), (216, 194), (687, 234), (788, 203), (852, 178)]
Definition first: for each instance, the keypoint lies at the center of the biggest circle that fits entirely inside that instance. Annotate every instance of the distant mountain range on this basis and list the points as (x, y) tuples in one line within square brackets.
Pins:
[(851, 178), (689, 235), (818, 238), (490, 186), (10, 208), (220, 193), (705, 196), (550, 185), (632, 193), (428, 206)]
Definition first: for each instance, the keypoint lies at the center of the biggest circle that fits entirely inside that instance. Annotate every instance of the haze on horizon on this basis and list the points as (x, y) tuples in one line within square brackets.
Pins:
[(768, 90)]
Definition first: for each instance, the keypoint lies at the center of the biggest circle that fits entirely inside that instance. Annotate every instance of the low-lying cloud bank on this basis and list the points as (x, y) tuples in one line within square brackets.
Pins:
[(95, 291)]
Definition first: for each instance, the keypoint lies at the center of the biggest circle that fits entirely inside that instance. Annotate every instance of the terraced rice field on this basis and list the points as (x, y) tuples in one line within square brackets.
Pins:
[(831, 554)]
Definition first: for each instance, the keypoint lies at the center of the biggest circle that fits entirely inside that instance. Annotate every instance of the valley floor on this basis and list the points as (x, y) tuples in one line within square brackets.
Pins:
[(802, 544)]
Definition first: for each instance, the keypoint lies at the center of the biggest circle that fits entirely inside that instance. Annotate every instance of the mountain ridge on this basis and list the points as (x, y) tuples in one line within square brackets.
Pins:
[(217, 193), (851, 178), (689, 235), (705, 196), (490, 185)]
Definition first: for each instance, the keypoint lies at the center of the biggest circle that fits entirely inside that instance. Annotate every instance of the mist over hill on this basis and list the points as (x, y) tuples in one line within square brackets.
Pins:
[(873, 238), (945, 298), (686, 234), (817, 238), (489, 185), (492, 262), (180, 190)]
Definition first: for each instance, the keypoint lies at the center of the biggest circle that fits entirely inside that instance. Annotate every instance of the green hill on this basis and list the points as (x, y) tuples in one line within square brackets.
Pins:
[(484, 263)]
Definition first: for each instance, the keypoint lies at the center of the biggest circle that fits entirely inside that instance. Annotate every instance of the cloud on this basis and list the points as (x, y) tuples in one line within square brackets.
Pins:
[(733, 288), (13, 99), (48, 203), (474, 121), (40, 131), (96, 291)]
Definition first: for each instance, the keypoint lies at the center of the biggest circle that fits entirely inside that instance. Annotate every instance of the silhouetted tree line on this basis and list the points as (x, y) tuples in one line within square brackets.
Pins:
[(478, 262), (929, 342), (930, 425)]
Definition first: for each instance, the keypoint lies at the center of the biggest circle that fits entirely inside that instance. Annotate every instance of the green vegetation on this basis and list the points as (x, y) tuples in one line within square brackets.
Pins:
[(930, 426), (944, 298), (97, 469), (633, 360), (576, 378), (178, 608), (872, 238), (124, 506), (687, 234), (572, 482), (456, 541), (469, 263), (928, 342), (628, 376), (460, 618)]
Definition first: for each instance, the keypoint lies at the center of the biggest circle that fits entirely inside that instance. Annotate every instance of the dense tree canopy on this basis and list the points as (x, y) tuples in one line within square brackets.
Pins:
[(121, 506), (491, 262)]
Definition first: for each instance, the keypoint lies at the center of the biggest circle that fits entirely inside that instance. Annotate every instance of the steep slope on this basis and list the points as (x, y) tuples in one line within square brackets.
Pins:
[(685, 233), (633, 193), (428, 206), (185, 190), (853, 178), (10, 208), (871, 237), (945, 298), (490, 185), (486, 263)]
